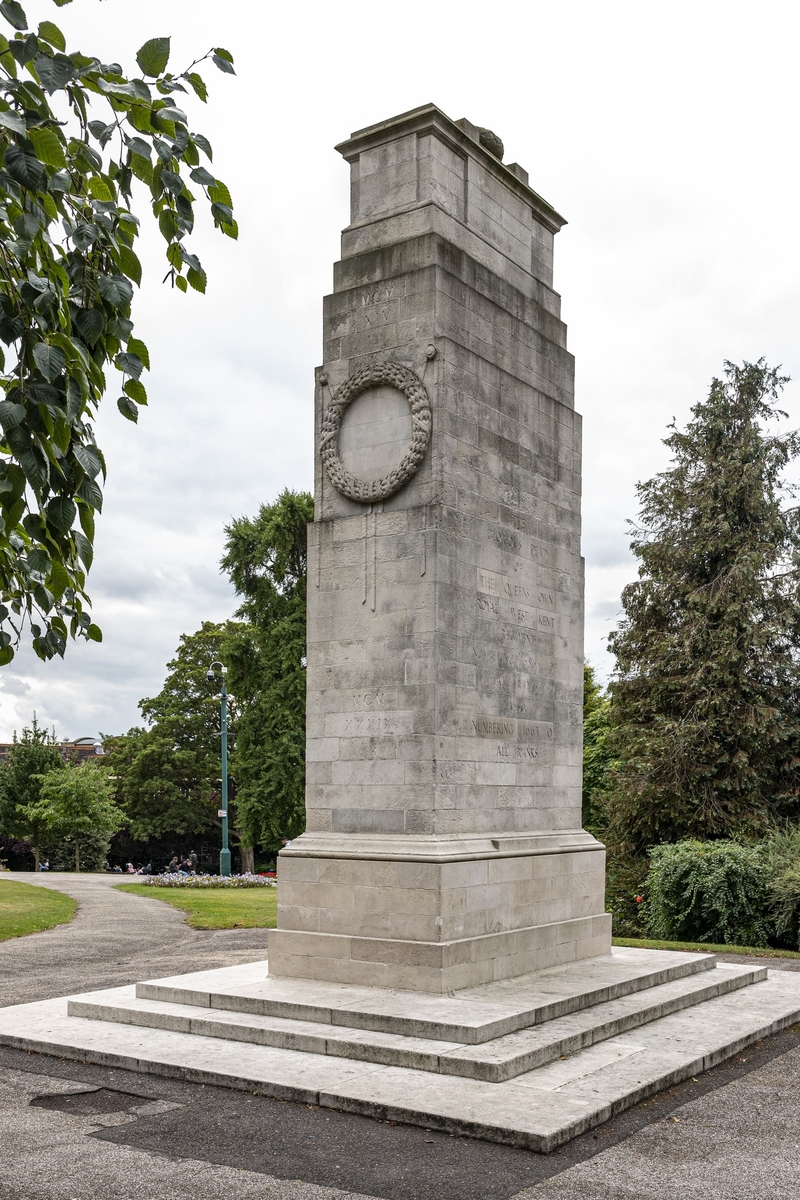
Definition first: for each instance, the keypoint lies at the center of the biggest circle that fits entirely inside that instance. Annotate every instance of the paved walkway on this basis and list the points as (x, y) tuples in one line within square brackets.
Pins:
[(732, 1134), (114, 938)]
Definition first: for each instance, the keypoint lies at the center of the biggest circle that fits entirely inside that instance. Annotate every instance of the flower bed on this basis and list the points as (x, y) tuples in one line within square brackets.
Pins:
[(177, 880)]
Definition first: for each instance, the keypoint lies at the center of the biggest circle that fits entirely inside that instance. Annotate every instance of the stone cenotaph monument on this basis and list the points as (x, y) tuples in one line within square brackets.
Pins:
[(442, 957), (444, 846)]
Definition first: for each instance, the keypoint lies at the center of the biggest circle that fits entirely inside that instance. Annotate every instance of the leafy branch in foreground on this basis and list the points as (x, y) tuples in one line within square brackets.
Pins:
[(74, 134)]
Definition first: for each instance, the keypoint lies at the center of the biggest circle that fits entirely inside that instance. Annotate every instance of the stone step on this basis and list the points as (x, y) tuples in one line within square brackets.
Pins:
[(468, 1017), (501, 1059), (539, 1110)]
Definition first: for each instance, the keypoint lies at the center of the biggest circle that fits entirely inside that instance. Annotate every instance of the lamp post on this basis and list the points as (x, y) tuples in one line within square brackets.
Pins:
[(224, 854)]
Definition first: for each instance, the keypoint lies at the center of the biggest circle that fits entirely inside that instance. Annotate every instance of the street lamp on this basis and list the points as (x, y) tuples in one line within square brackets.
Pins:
[(224, 854)]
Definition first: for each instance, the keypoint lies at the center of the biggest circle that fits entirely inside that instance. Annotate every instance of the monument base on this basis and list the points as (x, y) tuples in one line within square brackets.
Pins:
[(437, 913), (528, 1062)]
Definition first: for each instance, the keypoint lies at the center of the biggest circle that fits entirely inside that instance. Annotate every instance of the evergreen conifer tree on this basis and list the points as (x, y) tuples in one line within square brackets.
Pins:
[(706, 696)]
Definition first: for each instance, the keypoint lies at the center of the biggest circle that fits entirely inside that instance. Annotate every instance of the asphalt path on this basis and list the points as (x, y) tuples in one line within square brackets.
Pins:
[(76, 1131), (113, 939)]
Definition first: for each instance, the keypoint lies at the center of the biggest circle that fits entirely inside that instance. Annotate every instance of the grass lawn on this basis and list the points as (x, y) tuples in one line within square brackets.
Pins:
[(652, 944), (217, 908), (26, 908)]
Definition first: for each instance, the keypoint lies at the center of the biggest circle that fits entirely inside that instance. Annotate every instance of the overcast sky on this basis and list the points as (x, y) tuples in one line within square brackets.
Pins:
[(665, 133)]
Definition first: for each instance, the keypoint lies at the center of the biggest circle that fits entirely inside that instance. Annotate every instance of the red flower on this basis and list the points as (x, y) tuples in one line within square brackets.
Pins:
[(639, 899)]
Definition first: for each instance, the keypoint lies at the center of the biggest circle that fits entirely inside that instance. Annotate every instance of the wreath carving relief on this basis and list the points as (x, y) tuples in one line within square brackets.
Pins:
[(392, 375)]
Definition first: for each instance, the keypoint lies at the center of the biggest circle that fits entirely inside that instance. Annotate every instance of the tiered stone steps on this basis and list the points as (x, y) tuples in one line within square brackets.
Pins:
[(530, 1061), (246, 1016)]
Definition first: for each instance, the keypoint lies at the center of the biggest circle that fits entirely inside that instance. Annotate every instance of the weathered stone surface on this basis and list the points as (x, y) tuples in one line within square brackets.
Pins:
[(389, 1075), (445, 642)]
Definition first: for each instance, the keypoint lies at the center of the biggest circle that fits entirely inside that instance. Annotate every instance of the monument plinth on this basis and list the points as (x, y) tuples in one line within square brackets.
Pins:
[(444, 846)]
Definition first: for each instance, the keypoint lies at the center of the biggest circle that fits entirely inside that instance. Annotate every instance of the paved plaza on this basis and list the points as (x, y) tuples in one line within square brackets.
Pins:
[(733, 1133)]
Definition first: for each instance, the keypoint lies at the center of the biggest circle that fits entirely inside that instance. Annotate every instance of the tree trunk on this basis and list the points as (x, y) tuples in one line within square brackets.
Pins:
[(36, 857), (77, 854), (248, 859)]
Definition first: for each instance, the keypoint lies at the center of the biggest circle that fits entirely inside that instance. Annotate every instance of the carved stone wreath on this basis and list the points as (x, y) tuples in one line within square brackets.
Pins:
[(392, 374)]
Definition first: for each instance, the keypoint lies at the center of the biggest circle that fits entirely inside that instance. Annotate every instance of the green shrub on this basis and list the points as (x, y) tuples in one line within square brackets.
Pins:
[(781, 854), (709, 892)]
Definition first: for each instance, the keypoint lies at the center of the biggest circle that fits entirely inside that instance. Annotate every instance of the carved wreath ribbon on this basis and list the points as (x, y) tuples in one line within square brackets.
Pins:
[(396, 376)]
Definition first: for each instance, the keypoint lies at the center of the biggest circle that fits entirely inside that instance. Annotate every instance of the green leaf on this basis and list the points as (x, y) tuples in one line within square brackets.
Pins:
[(48, 148), (50, 360), (90, 323), (52, 34), (130, 264), (198, 85), (39, 560), (200, 140), (59, 582), (116, 289), (172, 114), (221, 213), (86, 517), (142, 168), (197, 279), (128, 408), (84, 548), (84, 235), (11, 414), (61, 512), (89, 459), (25, 168), (131, 364), (168, 224), (202, 176), (34, 464), (7, 654), (94, 633), (220, 194), (223, 60), (10, 120), (61, 3), (138, 146), (14, 13), (180, 283), (137, 347), (100, 189), (136, 390), (154, 56)]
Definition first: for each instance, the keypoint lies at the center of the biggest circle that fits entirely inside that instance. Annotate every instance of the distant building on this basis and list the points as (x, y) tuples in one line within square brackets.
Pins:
[(76, 751)]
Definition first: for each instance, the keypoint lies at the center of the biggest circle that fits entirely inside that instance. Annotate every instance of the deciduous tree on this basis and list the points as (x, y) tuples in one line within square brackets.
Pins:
[(266, 559), (166, 776), (75, 133), (74, 802), (29, 759)]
